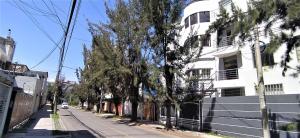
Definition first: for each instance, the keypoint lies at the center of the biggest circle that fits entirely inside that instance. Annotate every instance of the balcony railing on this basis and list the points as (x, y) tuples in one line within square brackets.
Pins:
[(228, 74), (225, 41), (225, 2)]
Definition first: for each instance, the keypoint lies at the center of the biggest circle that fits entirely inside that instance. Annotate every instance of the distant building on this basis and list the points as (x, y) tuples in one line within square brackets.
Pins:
[(35, 84)]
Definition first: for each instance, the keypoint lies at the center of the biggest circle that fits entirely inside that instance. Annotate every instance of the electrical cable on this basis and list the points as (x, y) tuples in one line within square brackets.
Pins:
[(73, 26)]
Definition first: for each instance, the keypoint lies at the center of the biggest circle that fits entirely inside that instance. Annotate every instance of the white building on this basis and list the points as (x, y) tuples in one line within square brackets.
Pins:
[(35, 84), (226, 68), (7, 49)]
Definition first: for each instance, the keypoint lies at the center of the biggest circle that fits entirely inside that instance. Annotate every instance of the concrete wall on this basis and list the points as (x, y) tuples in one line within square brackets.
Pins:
[(35, 86)]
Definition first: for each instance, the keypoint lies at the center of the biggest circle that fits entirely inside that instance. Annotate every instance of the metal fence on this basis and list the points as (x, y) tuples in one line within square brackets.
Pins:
[(239, 116)]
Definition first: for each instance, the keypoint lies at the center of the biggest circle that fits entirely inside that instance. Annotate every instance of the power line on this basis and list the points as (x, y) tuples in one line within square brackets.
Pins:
[(41, 12), (42, 30), (47, 56), (74, 23), (35, 22), (55, 14), (64, 42), (61, 57), (69, 67)]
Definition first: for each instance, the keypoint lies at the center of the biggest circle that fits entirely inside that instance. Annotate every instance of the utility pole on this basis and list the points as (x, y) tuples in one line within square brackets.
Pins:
[(261, 87), (61, 57)]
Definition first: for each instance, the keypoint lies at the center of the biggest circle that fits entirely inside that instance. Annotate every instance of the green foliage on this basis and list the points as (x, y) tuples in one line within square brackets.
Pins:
[(290, 127)]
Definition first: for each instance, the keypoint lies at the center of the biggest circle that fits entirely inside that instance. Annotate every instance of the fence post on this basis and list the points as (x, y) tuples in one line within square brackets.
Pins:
[(200, 128)]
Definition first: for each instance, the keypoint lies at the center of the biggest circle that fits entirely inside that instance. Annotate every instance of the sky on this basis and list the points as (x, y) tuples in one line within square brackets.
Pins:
[(33, 44)]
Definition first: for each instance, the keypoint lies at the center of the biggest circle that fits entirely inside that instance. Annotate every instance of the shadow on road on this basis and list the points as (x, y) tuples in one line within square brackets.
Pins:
[(50, 133)]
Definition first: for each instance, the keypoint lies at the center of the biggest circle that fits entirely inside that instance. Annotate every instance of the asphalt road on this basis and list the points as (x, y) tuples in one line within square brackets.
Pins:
[(83, 124)]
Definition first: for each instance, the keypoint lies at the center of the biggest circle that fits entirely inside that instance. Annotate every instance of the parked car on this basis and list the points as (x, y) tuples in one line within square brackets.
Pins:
[(64, 105)]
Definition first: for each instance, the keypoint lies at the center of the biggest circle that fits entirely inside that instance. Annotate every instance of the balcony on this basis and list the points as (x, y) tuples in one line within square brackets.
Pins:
[(225, 41), (228, 74)]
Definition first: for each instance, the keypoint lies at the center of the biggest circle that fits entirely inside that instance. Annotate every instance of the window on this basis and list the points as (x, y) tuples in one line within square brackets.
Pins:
[(205, 40), (267, 59), (205, 74), (194, 18), (298, 53), (233, 92), (186, 22), (273, 89), (224, 37), (224, 3), (204, 16), (194, 83), (195, 73), (192, 42)]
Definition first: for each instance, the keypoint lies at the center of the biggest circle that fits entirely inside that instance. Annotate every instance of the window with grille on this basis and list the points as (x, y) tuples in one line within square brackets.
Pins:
[(194, 18), (205, 40), (204, 16), (274, 89), (186, 22), (224, 3), (205, 73)]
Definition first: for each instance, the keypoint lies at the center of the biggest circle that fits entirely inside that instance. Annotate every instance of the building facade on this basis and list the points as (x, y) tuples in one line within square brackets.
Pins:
[(225, 67), (7, 49)]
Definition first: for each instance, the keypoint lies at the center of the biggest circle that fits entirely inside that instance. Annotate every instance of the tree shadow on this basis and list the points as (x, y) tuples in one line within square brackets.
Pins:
[(273, 125), (209, 117), (51, 133)]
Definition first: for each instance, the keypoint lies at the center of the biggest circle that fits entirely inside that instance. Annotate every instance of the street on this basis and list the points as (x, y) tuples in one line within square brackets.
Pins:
[(85, 124)]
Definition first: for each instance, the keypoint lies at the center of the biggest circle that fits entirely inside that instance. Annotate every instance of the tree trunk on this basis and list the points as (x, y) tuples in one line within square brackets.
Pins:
[(100, 106), (88, 108), (168, 120), (169, 80), (82, 103), (134, 103), (116, 108)]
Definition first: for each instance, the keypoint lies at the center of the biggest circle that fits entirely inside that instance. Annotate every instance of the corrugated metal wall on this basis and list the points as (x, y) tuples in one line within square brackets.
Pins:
[(239, 116)]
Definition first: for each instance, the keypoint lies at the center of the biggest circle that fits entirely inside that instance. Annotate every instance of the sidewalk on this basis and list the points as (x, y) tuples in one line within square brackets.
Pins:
[(39, 125)]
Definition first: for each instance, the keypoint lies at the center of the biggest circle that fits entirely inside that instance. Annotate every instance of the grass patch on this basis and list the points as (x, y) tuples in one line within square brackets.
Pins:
[(57, 127), (55, 119)]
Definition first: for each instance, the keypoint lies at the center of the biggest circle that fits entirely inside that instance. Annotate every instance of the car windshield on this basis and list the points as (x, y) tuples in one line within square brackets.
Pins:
[(65, 103)]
